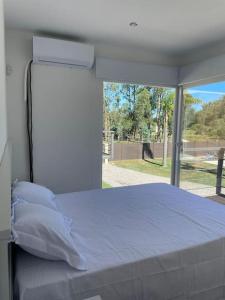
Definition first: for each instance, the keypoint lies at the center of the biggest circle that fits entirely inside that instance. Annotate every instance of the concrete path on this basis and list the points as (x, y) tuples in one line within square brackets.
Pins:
[(116, 176)]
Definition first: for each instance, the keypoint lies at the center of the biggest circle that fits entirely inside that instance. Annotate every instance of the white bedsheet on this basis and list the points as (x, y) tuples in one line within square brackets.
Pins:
[(144, 242)]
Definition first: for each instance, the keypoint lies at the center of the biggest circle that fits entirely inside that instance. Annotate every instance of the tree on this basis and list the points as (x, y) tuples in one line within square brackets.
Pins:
[(143, 116), (112, 108), (167, 108), (141, 112), (157, 96), (210, 120), (129, 94)]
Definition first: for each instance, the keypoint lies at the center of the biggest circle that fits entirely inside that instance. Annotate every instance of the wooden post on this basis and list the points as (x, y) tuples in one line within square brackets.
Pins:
[(219, 171)]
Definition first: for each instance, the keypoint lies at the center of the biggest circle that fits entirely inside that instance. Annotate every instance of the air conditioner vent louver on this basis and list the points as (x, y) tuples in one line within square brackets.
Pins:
[(54, 51)]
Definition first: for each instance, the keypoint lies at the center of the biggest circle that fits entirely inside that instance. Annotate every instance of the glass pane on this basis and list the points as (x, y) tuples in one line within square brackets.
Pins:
[(137, 134), (203, 138)]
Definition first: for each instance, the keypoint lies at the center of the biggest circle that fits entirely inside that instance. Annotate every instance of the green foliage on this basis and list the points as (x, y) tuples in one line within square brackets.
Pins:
[(105, 185), (137, 112), (189, 100), (210, 120)]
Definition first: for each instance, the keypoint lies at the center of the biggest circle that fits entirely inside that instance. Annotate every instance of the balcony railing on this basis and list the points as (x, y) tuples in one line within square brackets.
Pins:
[(220, 175)]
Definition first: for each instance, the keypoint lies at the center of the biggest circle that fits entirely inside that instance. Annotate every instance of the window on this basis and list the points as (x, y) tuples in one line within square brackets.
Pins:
[(203, 138), (137, 134)]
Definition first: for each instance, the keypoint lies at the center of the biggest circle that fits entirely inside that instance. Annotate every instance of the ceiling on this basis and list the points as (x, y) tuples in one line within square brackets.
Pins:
[(174, 28)]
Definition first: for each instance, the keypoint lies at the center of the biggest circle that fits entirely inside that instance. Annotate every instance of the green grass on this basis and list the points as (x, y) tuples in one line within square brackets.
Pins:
[(153, 166), (105, 185), (198, 172)]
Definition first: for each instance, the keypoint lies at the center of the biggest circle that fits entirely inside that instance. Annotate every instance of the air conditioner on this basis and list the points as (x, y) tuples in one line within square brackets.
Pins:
[(60, 52)]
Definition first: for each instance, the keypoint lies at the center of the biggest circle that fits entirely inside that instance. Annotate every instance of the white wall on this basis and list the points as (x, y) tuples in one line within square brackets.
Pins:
[(18, 51), (67, 120), (67, 106), (133, 54), (212, 69), (4, 173), (4, 154), (3, 131), (136, 72)]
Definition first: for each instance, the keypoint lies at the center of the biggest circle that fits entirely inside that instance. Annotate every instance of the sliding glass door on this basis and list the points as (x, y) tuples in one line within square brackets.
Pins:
[(137, 134), (203, 140), (143, 143)]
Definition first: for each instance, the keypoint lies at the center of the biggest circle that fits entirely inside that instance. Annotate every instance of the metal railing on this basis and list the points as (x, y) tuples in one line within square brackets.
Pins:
[(220, 176)]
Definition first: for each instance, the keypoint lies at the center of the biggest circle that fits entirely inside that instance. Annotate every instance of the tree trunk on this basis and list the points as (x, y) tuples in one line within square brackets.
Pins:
[(165, 140), (158, 119)]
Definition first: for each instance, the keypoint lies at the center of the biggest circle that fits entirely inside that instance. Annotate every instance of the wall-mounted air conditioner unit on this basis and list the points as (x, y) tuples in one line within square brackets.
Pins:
[(55, 51)]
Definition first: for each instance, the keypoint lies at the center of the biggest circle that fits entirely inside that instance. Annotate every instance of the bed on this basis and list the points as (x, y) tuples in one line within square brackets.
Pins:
[(143, 242)]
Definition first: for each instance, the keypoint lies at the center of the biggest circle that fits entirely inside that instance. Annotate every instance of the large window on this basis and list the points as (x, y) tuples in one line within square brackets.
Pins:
[(137, 134), (203, 138)]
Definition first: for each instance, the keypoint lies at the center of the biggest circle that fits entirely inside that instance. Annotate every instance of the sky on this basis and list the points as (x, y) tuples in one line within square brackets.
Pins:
[(208, 93)]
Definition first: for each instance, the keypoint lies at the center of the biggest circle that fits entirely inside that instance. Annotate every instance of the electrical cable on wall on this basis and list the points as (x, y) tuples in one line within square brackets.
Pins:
[(29, 115)]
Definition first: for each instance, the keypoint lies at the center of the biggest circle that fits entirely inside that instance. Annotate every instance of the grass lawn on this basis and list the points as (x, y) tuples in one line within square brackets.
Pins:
[(105, 185), (198, 172)]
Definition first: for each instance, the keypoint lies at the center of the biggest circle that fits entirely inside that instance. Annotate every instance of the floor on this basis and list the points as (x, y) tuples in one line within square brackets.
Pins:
[(116, 176)]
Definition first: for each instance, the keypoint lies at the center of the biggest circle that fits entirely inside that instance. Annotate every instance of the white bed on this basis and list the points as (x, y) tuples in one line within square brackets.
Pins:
[(142, 242)]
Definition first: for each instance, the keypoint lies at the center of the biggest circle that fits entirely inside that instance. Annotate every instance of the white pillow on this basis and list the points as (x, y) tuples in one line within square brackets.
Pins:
[(33, 193), (45, 233)]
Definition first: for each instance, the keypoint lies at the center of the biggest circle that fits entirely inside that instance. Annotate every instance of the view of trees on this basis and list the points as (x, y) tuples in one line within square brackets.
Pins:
[(137, 112), (209, 121), (143, 113)]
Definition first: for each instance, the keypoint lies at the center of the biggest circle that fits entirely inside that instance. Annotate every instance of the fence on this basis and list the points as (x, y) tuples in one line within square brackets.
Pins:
[(201, 150), (126, 150)]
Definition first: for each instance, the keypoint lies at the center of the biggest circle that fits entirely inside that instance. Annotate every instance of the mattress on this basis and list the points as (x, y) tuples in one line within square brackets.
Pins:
[(143, 242)]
